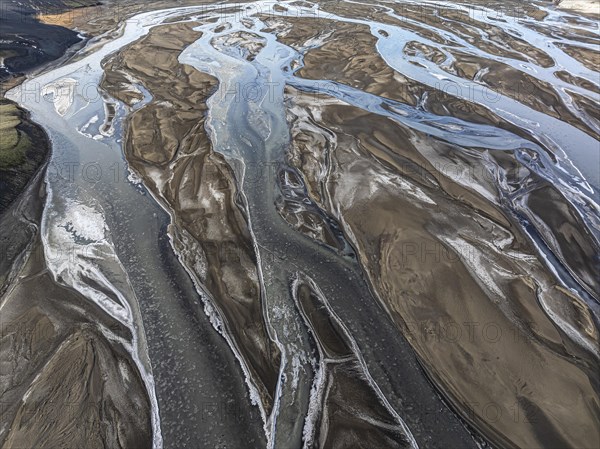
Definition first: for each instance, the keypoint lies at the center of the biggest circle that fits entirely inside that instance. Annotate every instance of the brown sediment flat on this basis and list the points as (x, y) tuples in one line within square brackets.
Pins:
[(326, 329), (359, 65), (433, 54), (377, 13), (63, 381), (351, 413), (106, 16), (526, 89), (547, 208), (588, 57), (306, 218), (512, 351), (166, 144), (460, 280), (577, 81), (588, 106), (566, 31), (349, 56), (466, 24)]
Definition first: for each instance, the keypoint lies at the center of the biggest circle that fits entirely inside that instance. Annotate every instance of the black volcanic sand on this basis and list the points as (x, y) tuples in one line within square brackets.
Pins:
[(27, 44), (352, 413)]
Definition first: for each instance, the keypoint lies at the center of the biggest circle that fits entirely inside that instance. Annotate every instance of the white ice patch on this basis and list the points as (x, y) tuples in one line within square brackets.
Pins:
[(63, 94), (79, 252), (133, 177), (86, 223), (83, 130)]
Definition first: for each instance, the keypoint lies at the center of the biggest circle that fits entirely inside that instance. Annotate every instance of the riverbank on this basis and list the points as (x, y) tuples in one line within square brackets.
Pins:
[(55, 357), (24, 147), (27, 44)]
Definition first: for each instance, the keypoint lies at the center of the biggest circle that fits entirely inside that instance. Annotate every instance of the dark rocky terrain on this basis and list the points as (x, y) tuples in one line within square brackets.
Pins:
[(25, 42)]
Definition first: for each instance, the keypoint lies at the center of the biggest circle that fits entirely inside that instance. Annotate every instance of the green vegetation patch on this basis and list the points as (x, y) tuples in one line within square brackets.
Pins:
[(13, 142)]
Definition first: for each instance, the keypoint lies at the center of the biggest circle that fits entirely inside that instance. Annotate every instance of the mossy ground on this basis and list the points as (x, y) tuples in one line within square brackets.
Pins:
[(23, 149), (14, 143)]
